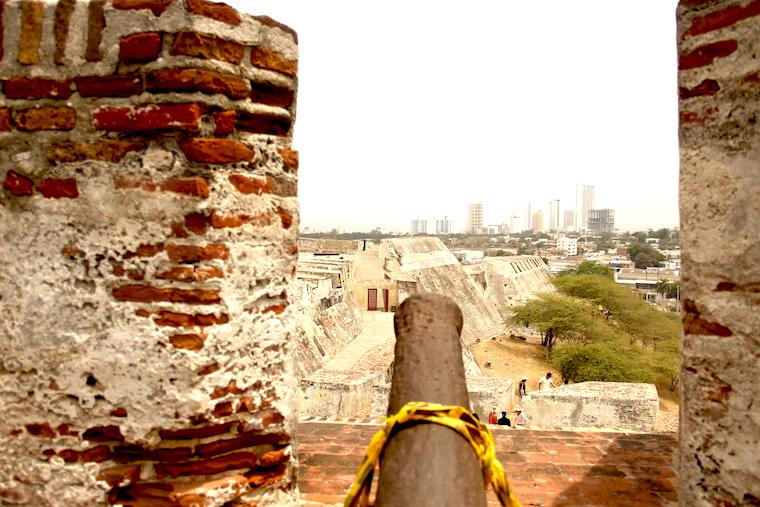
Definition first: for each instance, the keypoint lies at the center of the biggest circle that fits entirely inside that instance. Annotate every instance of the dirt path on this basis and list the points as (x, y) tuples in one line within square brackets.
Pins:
[(513, 357)]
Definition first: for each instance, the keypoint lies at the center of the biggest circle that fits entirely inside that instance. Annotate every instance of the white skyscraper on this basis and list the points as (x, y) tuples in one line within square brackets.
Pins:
[(474, 217), (584, 202), (554, 215), (419, 226), (527, 218), (443, 226)]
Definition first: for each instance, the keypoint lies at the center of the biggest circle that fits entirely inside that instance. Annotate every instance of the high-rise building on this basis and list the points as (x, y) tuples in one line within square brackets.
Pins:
[(527, 218), (601, 220), (538, 221), (569, 222), (443, 226), (474, 218), (419, 226), (554, 215), (584, 202), (516, 223)]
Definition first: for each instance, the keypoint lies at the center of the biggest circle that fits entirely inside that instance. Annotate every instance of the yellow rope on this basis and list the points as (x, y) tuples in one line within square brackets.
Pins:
[(457, 418)]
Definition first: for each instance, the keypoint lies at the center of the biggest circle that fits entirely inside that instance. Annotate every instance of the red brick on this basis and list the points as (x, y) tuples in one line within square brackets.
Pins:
[(120, 475), (197, 187), (37, 88), (223, 409), (198, 493), (119, 412), (174, 319), (5, 118), (264, 478), (31, 32), (117, 85), (103, 434), (63, 11), (157, 7), (227, 221), (197, 253), (45, 118), (239, 460), (97, 454), (188, 341), (214, 10), (289, 159), (267, 21), (705, 88), (216, 151), (148, 118), (149, 294), (69, 455), (208, 369), (40, 430), (197, 223), (263, 123), (249, 185), (194, 433), (64, 430), (106, 151), (276, 309), (231, 388), (266, 58), (224, 122), (57, 188), (140, 47), (128, 453), (96, 22), (272, 95), (17, 184), (191, 80), (285, 217), (274, 458), (723, 18), (206, 46), (707, 54), (142, 495), (191, 273)]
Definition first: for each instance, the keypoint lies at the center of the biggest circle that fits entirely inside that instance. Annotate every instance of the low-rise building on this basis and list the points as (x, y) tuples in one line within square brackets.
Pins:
[(568, 245)]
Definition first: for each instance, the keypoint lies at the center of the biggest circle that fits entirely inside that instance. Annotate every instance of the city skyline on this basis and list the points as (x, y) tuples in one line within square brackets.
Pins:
[(414, 139)]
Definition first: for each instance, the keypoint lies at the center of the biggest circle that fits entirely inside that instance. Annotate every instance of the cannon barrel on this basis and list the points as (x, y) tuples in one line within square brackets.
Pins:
[(428, 464)]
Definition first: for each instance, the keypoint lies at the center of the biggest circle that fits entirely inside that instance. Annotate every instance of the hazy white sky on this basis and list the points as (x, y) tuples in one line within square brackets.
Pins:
[(412, 109)]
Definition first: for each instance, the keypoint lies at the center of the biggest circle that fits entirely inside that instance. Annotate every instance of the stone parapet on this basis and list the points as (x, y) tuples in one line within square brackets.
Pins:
[(609, 405)]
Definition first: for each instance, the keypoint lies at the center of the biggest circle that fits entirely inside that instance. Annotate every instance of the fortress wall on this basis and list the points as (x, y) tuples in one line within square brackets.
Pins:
[(436, 270), (148, 218), (719, 89), (609, 405), (512, 281)]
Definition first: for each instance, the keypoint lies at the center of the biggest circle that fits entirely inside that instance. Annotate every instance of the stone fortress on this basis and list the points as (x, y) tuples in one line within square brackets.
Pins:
[(148, 219), (346, 342)]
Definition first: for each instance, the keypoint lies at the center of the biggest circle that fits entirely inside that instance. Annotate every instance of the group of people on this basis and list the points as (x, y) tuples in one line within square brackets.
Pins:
[(545, 383)]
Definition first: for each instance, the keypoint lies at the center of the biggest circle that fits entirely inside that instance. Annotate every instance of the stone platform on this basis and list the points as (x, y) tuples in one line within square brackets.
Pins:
[(558, 468)]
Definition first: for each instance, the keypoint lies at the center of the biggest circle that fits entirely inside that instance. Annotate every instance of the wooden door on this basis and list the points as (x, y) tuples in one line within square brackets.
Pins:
[(385, 299), (371, 300)]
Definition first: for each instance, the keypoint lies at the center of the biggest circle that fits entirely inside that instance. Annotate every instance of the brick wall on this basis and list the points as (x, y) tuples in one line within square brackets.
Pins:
[(719, 88), (148, 220)]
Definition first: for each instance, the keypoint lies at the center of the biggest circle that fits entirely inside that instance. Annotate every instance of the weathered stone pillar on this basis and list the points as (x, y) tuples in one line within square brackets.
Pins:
[(148, 223), (719, 87)]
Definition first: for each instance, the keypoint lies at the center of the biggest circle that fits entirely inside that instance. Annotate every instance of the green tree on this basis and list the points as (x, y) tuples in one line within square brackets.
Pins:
[(643, 255), (555, 317), (667, 289), (600, 361)]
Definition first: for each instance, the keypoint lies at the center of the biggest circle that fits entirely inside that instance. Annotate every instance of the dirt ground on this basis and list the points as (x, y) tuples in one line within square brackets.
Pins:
[(513, 357)]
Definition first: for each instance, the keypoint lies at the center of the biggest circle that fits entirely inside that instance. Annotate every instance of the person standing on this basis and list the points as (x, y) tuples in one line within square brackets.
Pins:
[(492, 417), (546, 383), (522, 387)]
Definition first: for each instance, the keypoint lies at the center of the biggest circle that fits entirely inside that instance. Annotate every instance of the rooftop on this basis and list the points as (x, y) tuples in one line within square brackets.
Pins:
[(558, 468)]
